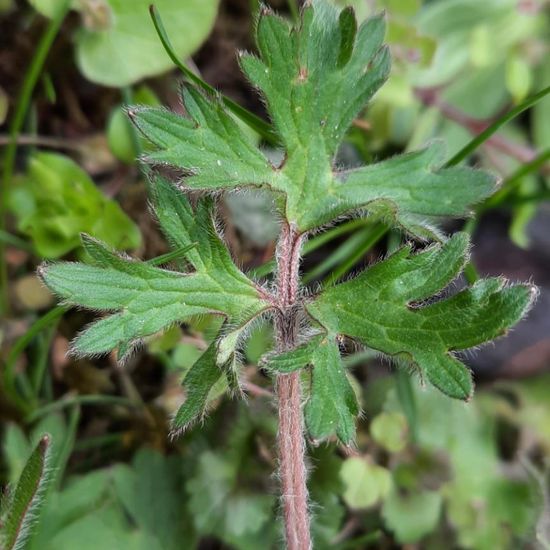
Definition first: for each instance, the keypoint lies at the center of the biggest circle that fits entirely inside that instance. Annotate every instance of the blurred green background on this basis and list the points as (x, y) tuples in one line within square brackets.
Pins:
[(427, 472)]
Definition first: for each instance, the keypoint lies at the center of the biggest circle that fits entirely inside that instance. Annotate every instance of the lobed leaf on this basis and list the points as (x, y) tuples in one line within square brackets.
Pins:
[(383, 308), (412, 187), (146, 299), (315, 77), (207, 144), (332, 405), (318, 76)]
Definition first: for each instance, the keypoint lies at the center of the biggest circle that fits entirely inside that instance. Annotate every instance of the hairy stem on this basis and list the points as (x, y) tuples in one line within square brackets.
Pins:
[(291, 433)]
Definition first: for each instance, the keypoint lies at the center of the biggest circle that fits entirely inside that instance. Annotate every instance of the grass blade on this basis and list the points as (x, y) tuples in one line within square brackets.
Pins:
[(60, 404), (407, 400), (9, 374), (339, 256), (512, 182), (171, 256), (370, 239), (490, 130), (255, 122)]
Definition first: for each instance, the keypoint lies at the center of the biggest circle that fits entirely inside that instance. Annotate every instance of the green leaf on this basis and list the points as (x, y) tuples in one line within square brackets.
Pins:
[(111, 508), (57, 200), (124, 36), (390, 430), (348, 32), (412, 187), (154, 478), (121, 135), (147, 299), (332, 406), (209, 145), (467, 437), (385, 308), (105, 527), (315, 77), (84, 514), (412, 516), (24, 505), (49, 8), (220, 505), (364, 483), (198, 384)]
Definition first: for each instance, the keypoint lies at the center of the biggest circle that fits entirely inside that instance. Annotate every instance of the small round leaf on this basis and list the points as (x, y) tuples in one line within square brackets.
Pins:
[(389, 429), (122, 46)]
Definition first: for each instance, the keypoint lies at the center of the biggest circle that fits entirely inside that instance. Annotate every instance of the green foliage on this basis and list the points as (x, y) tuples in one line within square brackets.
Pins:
[(254, 122), (224, 491), (21, 508), (154, 478), (312, 92), (113, 508), (135, 289), (315, 78), (219, 507), (57, 200), (385, 308), (121, 136), (199, 383), (413, 516), (333, 405), (457, 468), (436, 477), (209, 145), (390, 431), (123, 34), (49, 8), (364, 483)]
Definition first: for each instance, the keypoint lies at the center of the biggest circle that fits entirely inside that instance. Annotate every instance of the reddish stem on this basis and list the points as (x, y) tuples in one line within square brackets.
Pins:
[(291, 431)]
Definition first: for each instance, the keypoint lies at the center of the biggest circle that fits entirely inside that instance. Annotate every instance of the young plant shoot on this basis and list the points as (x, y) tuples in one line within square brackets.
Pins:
[(315, 78)]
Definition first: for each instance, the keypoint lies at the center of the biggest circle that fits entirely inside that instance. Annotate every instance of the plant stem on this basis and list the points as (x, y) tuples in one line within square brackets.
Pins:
[(41, 141), (291, 433)]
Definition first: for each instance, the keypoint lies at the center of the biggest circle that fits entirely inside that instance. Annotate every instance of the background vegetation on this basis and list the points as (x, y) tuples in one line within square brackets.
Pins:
[(427, 472)]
